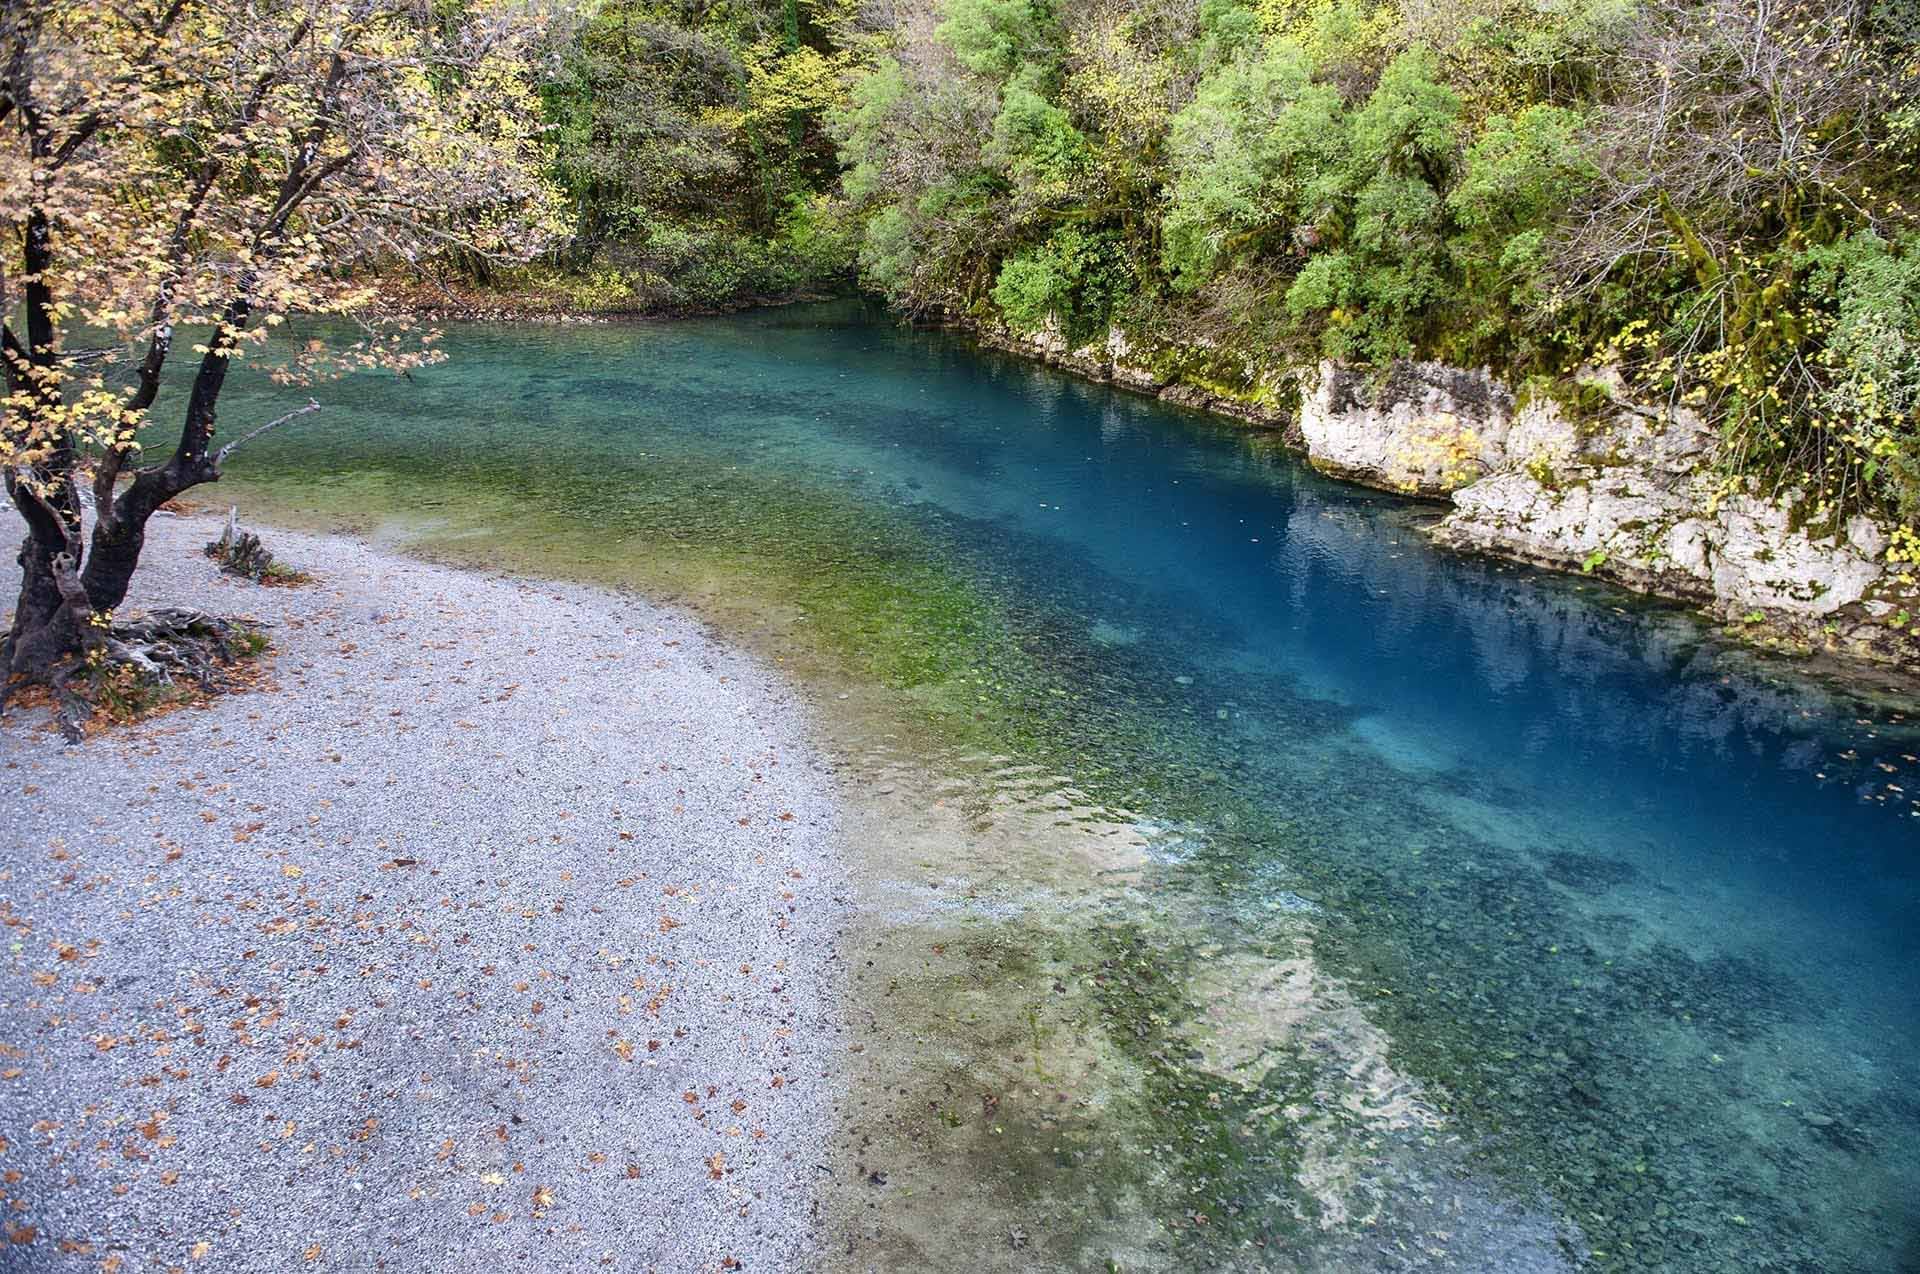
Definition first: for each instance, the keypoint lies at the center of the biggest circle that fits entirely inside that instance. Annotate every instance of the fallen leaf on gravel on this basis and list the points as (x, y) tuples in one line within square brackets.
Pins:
[(668, 924), (267, 1080), (200, 1249), (291, 872), (312, 1253), (542, 1197), (21, 1233), (717, 1165), (625, 1049)]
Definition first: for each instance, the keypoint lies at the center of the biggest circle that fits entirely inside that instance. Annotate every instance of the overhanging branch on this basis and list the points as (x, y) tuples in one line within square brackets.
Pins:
[(220, 456)]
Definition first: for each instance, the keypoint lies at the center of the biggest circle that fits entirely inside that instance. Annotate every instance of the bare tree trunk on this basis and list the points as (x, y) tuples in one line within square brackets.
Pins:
[(120, 530), (43, 632), (56, 602), (44, 629)]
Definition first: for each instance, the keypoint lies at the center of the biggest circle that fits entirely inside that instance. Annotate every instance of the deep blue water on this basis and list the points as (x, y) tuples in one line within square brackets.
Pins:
[(1661, 896)]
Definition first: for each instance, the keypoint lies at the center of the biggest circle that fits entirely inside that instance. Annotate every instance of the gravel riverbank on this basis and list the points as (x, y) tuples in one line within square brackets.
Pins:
[(498, 929)]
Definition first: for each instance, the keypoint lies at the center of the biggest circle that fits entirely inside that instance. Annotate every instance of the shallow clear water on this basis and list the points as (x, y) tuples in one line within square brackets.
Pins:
[(1640, 908)]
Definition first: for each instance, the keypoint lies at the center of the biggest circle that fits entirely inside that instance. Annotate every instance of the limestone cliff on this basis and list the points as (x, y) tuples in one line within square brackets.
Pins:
[(1192, 374), (1617, 489)]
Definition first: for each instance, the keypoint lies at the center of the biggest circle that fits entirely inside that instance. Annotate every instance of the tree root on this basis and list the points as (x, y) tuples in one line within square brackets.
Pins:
[(131, 668)]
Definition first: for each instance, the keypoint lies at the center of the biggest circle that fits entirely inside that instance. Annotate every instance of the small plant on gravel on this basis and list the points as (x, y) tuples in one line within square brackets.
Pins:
[(241, 553)]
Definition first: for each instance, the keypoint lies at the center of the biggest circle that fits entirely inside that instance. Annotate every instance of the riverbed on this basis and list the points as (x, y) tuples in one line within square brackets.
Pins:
[(1250, 883)]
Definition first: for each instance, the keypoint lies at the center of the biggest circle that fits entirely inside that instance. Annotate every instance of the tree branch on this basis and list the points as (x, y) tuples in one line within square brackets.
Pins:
[(220, 456)]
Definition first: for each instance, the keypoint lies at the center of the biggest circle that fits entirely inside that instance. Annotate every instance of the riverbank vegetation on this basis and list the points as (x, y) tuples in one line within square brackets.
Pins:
[(1717, 196), (692, 144)]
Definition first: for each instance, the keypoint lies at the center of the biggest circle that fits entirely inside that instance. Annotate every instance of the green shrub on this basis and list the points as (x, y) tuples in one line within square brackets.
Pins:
[(1258, 155), (1076, 278), (1870, 352)]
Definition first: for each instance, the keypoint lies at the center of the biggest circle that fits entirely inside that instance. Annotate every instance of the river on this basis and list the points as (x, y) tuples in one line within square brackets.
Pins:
[(1632, 912)]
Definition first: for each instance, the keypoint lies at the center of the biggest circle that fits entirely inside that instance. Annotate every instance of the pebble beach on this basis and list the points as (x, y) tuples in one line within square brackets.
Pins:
[(494, 927)]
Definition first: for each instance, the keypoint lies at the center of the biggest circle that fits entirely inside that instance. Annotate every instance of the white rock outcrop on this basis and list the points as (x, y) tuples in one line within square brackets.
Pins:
[(1191, 374), (1630, 493), (1424, 428)]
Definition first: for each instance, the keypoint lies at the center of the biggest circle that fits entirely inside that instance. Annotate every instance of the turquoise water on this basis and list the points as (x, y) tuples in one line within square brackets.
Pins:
[(1640, 909)]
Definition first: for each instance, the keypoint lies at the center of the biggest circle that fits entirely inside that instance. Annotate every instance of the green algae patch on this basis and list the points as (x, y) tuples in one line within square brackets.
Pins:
[(985, 1108), (765, 559)]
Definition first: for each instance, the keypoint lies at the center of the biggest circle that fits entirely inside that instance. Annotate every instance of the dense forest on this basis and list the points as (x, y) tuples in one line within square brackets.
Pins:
[(1715, 195)]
